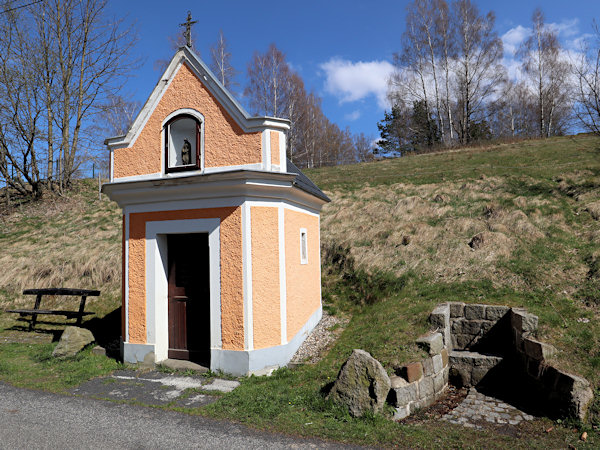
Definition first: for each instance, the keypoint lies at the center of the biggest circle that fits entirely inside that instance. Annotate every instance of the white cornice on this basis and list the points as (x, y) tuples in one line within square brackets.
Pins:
[(238, 184)]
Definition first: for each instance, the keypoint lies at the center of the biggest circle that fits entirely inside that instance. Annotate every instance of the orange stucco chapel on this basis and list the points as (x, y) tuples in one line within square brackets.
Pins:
[(221, 251)]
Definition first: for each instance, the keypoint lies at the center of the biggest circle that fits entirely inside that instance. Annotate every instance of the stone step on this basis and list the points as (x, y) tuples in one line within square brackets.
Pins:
[(469, 368)]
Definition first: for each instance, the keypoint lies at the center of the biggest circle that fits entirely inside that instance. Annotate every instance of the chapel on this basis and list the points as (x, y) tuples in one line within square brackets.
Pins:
[(221, 243)]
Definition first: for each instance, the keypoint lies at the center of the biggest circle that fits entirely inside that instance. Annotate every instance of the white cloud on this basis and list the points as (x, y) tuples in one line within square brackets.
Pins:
[(567, 31), (514, 37), (567, 27), (354, 115), (354, 81)]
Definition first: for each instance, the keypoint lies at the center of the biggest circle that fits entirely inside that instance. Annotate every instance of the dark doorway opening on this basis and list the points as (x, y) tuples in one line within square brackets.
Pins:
[(189, 297)]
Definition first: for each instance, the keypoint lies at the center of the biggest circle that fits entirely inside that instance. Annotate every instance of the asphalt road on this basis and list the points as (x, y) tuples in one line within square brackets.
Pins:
[(40, 420)]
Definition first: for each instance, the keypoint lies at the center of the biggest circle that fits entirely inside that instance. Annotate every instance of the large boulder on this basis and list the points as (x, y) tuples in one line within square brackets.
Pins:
[(362, 384), (72, 341)]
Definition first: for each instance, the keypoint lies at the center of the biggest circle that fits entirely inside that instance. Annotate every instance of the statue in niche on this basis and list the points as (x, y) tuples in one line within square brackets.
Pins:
[(186, 153)]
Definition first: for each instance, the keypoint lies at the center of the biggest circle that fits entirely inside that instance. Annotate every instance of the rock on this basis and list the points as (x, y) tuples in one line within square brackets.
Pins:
[(362, 384), (432, 343), (100, 351), (438, 363), (149, 361), (402, 412), (522, 321), (180, 364), (475, 312), (577, 393), (397, 382), (412, 371), (457, 309), (538, 350), (477, 241), (72, 341), (495, 313), (439, 198), (427, 366), (445, 357), (405, 394), (594, 210), (440, 321)]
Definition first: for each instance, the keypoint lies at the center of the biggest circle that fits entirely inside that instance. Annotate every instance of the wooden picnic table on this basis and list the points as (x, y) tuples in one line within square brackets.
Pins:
[(39, 293)]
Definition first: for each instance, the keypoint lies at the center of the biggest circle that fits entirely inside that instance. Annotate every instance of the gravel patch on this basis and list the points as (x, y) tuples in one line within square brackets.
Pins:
[(313, 348)]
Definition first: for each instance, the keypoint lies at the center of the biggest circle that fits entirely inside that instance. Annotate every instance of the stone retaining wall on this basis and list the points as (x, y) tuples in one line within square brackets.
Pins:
[(420, 384), (469, 341)]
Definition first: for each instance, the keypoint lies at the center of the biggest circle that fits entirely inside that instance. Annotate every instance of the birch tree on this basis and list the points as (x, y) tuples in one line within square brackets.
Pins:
[(479, 71), (220, 62), (548, 72), (587, 73), (446, 51), (268, 76), (21, 107)]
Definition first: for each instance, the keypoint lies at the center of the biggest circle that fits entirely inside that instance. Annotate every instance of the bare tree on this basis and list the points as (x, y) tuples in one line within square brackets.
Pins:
[(117, 115), (268, 77), (59, 63), (479, 71), (21, 107), (412, 67), (363, 147), (587, 71), (426, 14), (221, 62), (92, 59), (296, 109), (446, 51), (548, 72)]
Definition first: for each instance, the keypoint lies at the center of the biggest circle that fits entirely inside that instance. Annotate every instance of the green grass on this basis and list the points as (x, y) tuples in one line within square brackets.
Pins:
[(392, 253), (540, 159), (33, 366)]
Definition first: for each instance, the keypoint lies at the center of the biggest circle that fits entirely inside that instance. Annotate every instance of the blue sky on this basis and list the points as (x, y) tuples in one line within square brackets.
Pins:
[(342, 49)]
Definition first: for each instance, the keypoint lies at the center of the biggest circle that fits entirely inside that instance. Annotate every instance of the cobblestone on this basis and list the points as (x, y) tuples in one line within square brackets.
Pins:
[(477, 408)]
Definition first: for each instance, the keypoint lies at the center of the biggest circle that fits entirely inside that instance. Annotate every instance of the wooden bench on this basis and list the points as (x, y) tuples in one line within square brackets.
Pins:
[(39, 293)]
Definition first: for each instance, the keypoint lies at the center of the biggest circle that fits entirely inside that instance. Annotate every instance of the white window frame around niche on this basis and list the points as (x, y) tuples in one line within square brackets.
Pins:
[(199, 165), (303, 246)]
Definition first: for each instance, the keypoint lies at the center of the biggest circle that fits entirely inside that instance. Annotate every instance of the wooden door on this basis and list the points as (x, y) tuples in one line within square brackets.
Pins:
[(189, 297)]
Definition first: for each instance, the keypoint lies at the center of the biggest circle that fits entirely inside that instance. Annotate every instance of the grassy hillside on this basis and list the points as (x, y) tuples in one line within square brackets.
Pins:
[(532, 208), (395, 243), (70, 241)]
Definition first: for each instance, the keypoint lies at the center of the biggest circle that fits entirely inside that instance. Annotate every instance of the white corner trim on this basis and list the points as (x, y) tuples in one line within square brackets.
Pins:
[(157, 321), (244, 362), (282, 149), (247, 268), (266, 149), (319, 260), (111, 175), (126, 262), (282, 276)]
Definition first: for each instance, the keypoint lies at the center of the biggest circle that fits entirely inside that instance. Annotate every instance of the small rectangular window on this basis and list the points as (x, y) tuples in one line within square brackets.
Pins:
[(303, 247)]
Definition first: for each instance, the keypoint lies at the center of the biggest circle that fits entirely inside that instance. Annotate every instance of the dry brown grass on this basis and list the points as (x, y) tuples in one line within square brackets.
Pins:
[(62, 242), (427, 229)]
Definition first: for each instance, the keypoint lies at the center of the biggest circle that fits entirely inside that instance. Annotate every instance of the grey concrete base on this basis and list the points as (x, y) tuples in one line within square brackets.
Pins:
[(253, 361), (135, 353), (239, 363)]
